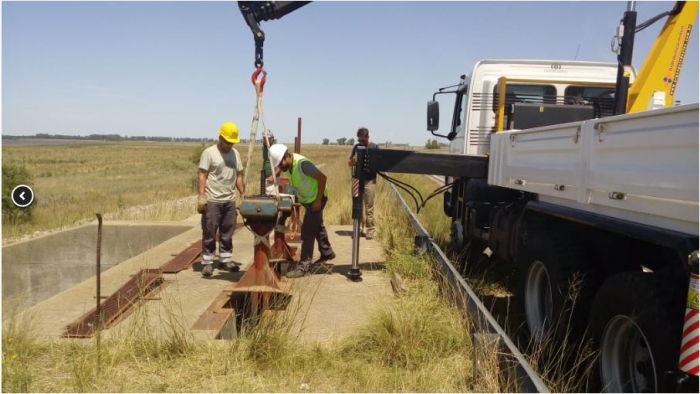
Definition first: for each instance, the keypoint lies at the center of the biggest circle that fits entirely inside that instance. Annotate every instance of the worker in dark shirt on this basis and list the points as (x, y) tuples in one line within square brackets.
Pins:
[(370, 181)]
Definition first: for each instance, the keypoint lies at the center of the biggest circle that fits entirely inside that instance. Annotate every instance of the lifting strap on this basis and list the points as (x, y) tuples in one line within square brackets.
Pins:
[(257, 115)]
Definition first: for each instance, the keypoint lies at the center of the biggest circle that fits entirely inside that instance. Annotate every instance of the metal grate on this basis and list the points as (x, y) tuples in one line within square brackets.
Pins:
[(116, 305)]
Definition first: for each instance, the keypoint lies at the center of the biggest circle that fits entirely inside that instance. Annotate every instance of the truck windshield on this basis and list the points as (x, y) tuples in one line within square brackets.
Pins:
[(460, 108)]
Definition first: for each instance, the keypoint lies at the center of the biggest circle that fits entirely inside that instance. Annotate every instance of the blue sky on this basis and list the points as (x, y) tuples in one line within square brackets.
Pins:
[(182, 68)]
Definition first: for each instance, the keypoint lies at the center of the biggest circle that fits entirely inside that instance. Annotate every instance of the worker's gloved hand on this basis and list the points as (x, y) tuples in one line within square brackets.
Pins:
[(202, 204)]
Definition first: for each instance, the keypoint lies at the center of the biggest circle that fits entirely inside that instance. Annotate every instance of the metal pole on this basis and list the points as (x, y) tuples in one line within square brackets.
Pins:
[(98, 272), (358, 187), (262, 181), (297, 148), (624, 69)]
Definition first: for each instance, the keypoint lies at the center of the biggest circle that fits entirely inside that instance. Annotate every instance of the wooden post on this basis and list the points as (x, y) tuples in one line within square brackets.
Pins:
[(297, 148)]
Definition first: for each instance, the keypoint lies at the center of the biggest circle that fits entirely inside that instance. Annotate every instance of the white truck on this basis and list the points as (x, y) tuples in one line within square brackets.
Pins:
[(596, 212)]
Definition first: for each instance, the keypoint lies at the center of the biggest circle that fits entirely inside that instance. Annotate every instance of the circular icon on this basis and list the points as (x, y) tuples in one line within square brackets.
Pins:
[(22, 196)]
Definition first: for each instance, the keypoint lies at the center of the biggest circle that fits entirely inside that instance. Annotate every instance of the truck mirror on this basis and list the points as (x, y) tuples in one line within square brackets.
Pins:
[(433, 115)]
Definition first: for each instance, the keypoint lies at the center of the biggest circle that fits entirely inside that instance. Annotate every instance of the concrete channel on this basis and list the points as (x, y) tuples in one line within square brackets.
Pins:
[(36, 269), (51, 281)]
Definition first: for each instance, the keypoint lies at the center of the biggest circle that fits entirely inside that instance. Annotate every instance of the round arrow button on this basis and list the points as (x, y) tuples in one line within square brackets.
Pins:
[(22, 196)]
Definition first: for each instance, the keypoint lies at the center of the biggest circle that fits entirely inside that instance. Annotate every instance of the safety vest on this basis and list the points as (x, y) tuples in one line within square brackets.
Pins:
[(305, 187)]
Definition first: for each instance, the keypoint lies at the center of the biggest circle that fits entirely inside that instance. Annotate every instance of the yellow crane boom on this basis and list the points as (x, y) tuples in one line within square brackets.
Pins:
[(662, 66)]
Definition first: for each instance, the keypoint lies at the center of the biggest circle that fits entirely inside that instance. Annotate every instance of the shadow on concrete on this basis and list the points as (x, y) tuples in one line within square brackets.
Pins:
[(345, 233), (344, 269)]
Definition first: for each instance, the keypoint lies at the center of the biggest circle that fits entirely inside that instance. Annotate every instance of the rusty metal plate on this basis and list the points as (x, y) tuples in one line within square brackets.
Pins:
[(188, 256), (116, 305), (184, 259), (216, 315), (293, 238)]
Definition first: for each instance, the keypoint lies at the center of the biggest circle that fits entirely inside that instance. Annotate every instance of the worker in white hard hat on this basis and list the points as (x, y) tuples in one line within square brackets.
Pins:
[(220, 168), (309, 185)]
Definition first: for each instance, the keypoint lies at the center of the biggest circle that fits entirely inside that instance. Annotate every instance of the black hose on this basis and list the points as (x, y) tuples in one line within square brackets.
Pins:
[(651, 21), (399, 184), (437, 192)]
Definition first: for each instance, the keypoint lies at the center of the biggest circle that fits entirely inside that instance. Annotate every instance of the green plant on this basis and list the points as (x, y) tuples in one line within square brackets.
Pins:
[(197, 153), (13, 175)]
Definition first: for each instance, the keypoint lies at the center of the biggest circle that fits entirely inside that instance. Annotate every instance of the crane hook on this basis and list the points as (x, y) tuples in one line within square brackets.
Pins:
[(259, 84)]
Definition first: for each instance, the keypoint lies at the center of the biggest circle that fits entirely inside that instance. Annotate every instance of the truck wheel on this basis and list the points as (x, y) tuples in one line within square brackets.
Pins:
[(554, 291), (636, 322)]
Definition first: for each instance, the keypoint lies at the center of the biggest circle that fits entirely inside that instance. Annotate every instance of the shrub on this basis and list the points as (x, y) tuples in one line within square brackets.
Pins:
[(13, 175), (432, 144), (197, 153)]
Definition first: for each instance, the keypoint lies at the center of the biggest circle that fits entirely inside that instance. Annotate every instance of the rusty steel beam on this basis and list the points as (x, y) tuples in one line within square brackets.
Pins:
[(116, 305)]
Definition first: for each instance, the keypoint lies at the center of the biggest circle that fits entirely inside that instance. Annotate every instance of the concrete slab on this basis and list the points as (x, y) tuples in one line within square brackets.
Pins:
[(329, 305), (35, 269)]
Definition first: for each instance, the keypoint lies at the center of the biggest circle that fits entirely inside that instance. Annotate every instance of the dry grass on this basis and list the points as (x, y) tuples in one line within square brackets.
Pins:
[(414, 343), (138, 181)]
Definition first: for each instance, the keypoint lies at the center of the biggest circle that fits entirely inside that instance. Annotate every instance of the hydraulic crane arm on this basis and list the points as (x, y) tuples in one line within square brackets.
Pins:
[(662, 66), (255, 12)]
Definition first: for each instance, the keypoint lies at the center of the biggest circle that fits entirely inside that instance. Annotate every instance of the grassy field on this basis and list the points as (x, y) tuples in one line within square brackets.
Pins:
[(139, 181), (414, 343)]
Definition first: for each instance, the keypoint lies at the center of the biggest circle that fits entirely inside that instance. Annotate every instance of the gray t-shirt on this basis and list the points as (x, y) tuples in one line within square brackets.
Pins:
[(223, 170), (308, 168)]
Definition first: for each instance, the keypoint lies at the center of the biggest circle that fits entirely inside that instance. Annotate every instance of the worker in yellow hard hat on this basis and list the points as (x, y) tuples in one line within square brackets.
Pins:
[(220, 168)]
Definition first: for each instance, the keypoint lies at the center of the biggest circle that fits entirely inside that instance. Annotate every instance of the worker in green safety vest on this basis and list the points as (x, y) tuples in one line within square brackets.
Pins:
[(309, 185)]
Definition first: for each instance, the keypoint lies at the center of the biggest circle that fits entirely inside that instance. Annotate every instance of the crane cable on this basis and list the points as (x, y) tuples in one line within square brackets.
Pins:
[(258, 114)]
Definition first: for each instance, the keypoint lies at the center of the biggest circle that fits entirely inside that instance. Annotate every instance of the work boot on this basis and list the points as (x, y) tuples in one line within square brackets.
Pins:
[(327, 258), (369, 236), (208, 270), (297, 273)]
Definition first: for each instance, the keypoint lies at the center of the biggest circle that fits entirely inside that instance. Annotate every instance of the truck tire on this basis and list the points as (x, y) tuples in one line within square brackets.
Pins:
[(554, 292), (636, 321)]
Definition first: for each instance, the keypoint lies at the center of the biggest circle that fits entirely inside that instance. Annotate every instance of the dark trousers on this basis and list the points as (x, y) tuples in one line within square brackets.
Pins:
[(313, 230), (220, 216)]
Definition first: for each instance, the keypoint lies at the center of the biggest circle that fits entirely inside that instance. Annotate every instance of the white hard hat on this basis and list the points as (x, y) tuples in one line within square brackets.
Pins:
[(268, 133), (277, 152)]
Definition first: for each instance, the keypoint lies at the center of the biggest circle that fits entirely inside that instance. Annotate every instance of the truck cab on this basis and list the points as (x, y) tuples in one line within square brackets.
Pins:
[(543, 83), (516, 94)]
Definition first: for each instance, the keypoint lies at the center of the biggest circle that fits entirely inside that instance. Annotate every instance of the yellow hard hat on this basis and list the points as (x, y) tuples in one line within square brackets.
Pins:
[(229, 131)]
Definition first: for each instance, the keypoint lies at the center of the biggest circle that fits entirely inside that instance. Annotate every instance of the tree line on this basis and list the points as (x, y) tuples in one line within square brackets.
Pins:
[(109, 137), (340, 141)]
